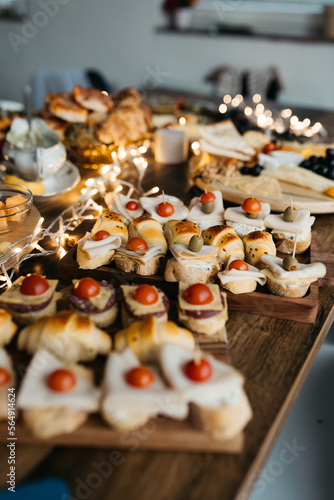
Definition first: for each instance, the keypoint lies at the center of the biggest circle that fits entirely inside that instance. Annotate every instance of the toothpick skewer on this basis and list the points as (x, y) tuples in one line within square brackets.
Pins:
[(295, 245), (163, 196), (197, 355), (130, 192), (291, 205)]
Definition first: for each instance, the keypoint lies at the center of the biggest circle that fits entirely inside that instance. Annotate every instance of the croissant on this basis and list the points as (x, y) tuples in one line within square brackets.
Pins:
[(180, 232), (113, 223), (68, 335), (150, 230), (144, 337), (258, 243), (7, 327), (225, 238)]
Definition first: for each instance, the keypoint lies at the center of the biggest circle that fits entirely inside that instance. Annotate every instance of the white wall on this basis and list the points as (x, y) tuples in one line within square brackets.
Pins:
[(118, 37)]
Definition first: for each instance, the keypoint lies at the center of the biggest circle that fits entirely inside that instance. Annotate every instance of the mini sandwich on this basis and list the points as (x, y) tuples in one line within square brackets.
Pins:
[(225, 239), (55, 397), (289, 278), (202, 308), (213, 389), (258, 243), (95, 299), (287, 225), (7, 381), (141, 301), (240, 277), (164, 207), (30, 298), (180, 231), (122, 204), (207, 210), (248, 217), (133, 393), (138, 257)]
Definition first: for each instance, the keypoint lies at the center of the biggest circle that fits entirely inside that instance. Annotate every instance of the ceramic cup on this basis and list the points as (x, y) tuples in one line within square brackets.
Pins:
[(171, 146)]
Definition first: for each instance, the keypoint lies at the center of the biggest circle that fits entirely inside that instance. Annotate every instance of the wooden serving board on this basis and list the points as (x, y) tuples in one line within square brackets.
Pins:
[(317, 203), (261, 301)]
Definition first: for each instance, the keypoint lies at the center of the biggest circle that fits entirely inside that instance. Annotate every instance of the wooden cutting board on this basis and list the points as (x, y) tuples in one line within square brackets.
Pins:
[(314, 201)]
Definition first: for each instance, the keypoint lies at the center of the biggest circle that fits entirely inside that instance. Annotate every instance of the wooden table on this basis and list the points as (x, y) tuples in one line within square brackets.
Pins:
[(274, 355)]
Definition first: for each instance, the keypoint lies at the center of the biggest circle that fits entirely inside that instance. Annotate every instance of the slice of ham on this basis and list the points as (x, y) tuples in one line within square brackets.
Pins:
[(93, 248), (207, 254), (116, 202), (275, 264), (153, 252), (197, 215), (302, 222), (151, 204), (237, 214), (231, 275)]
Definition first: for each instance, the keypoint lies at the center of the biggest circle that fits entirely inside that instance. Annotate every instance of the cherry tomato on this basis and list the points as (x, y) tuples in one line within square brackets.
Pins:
[(136, 244), (62, 380), (165, 209), (132, 205), (86, 288), (140, 377), (271, 146), (101, 235), (239, 264), (198, 371), (198, 294), (207, 197), (34, 284), (4, 376), (251, 206), (146, 295)]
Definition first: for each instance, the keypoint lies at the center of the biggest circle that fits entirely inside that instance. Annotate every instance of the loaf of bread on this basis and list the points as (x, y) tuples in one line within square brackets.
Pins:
[(225, 239), (180, 232), (7, 327), (68, 335), (144, 337), (150, 230), (258, 243), (113, 223)]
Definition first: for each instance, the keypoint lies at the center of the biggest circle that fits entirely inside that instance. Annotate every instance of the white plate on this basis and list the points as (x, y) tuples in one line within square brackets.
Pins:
[(64, 180), (11, 106)]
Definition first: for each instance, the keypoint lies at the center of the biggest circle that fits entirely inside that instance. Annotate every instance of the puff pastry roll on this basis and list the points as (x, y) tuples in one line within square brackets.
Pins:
[(150, 230), (144, 337), (113, 223), (258, 243), (226, 240), (68, 335), (7, 327), (180, 232)]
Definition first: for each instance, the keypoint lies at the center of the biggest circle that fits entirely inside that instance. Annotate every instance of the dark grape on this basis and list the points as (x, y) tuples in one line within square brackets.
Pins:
[(330, 173), (323, 170), (306, 164), (330, 153), (256, 170), (316, 167), (245, 171)]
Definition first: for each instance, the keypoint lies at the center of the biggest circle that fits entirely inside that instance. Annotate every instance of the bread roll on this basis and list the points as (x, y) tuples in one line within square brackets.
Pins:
[(113, 223), (150, 230), (144, 337), (225, 239), (68, 335), (258, 243), (7, 327), (180, 232)]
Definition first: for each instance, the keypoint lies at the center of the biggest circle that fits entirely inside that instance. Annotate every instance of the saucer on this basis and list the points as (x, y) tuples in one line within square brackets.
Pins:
[(63, 181)]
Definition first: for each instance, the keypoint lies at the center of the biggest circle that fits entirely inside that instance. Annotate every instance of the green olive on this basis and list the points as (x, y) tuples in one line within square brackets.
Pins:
[(290, 263), (207, 208), (253, 216), (289, 214), (196, 242)]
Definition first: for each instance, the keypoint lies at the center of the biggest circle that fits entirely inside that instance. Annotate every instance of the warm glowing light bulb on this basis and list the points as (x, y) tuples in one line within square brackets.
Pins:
[(222, 108), (248, 111), (182, 120), (235, 102), (227, 99), (256, 98), (294, 120), (195, 146), (286, 113), (89, 182)]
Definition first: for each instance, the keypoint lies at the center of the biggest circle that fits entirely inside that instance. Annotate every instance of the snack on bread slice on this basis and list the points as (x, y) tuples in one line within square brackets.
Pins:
[(258, 243), (133, 393), (141, 301), (218, 404), (30, 298), (95, 299), (93, 252), (56, 397), (207, 210), (225, 239), (139, 257), (7, 327), (157, 207), (7, 381), (68, 335), (202, 308), (144, 337), (150, 230), (243, 222), (239, 277), (113, 223), (290, 283)]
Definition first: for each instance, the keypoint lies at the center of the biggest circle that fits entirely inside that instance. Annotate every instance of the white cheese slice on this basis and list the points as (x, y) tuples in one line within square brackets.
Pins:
[(151, 204), (197, 215), (302, 222), (116, 202), (224, 385), (13, 295), (231, 275), (138, 308), (207, 254), (92, 248), (156, 399), (215, 305), (153, 252), (35, 393), (275, 264), (237, 214)]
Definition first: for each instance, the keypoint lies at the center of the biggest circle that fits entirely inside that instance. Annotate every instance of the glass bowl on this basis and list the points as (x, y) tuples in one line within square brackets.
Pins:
[(15, 204)]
